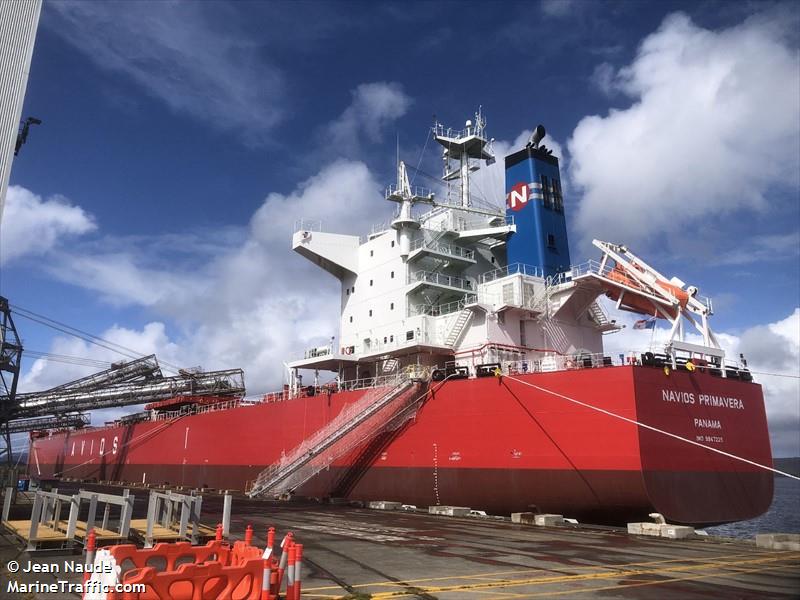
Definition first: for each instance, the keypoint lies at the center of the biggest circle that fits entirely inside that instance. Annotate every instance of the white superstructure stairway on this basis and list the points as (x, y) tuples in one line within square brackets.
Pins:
[(600, 318), (458, 327), (355, 425)]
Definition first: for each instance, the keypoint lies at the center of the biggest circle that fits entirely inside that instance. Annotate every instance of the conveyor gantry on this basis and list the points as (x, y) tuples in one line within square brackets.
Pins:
[(146, 367), (221, 383), (68, 421)]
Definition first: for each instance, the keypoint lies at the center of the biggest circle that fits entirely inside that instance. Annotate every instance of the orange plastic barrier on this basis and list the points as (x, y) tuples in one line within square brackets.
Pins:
[(198, 582), (164, 556), (218, 570)]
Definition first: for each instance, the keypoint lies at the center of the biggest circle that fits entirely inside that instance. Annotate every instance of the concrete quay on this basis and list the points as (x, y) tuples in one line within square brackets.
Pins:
[(360, 554)]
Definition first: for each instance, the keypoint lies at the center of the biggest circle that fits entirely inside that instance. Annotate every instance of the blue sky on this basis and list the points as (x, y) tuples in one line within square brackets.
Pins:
[(155, 204)]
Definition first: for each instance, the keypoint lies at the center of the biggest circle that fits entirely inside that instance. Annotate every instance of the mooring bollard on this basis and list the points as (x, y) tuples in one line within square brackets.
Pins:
[(248, 535)]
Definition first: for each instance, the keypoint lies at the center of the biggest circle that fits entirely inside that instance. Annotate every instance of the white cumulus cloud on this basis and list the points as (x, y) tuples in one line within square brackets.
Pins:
[(32, 225), (254, 304), (713, 126), (237, 297), (374, 106)]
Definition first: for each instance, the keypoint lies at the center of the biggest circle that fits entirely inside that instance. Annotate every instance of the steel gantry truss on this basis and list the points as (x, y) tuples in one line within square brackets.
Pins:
[(54, 402), (53, 422), (138, 381), (10, 357)]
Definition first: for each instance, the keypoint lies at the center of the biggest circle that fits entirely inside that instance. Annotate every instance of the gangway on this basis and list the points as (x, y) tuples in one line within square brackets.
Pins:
[(354, 426)]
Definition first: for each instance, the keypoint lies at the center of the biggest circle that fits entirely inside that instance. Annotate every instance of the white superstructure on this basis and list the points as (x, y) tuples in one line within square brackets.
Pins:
[(434, 286)]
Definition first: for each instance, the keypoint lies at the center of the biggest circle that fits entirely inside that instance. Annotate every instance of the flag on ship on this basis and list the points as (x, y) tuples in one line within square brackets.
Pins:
[(649, 323)]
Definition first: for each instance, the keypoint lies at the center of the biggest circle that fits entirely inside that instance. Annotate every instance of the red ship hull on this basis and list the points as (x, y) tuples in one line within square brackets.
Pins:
[(491, 444)]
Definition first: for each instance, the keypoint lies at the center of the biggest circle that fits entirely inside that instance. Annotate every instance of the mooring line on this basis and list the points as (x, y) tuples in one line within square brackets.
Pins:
[(651, 428)]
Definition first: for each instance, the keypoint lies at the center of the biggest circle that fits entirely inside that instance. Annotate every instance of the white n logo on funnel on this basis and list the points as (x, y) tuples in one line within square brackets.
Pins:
[(518, 196)]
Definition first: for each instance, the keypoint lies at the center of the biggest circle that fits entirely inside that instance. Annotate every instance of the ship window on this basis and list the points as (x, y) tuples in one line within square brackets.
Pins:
[(391, 275), (391, 306), (558, 198), (351, 319), (551, 240), (370, 283), (353, 290), (372, 252), (347, 292), (384, 339), (528, 294), (410, 335), (370, 312), (493, 260), (392, 243), (508, 293), (546, 191), (391, 338)]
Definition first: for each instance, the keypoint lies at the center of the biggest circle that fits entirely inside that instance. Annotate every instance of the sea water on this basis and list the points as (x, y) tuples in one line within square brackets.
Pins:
[(783, 515)]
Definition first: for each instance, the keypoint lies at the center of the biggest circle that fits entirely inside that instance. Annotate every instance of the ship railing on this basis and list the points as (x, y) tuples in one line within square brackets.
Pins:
[(279, 396), (370, 382), (319, 351), (440, 279), (440, 130), (594, 267), (334, 386), (303, 224), (199, 409), (512, 269), (460, 222), (542, 362), (320, 449), (317, 451), (438, 210), (436, 310), (376, 228), (442, 248), (416, 191)]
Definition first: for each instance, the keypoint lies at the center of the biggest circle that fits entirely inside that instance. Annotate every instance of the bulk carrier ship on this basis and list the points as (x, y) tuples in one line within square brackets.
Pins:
[(470, 370)]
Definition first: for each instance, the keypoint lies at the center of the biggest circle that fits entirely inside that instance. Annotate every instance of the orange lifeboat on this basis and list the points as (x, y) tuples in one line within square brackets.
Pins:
[(638, 303)]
